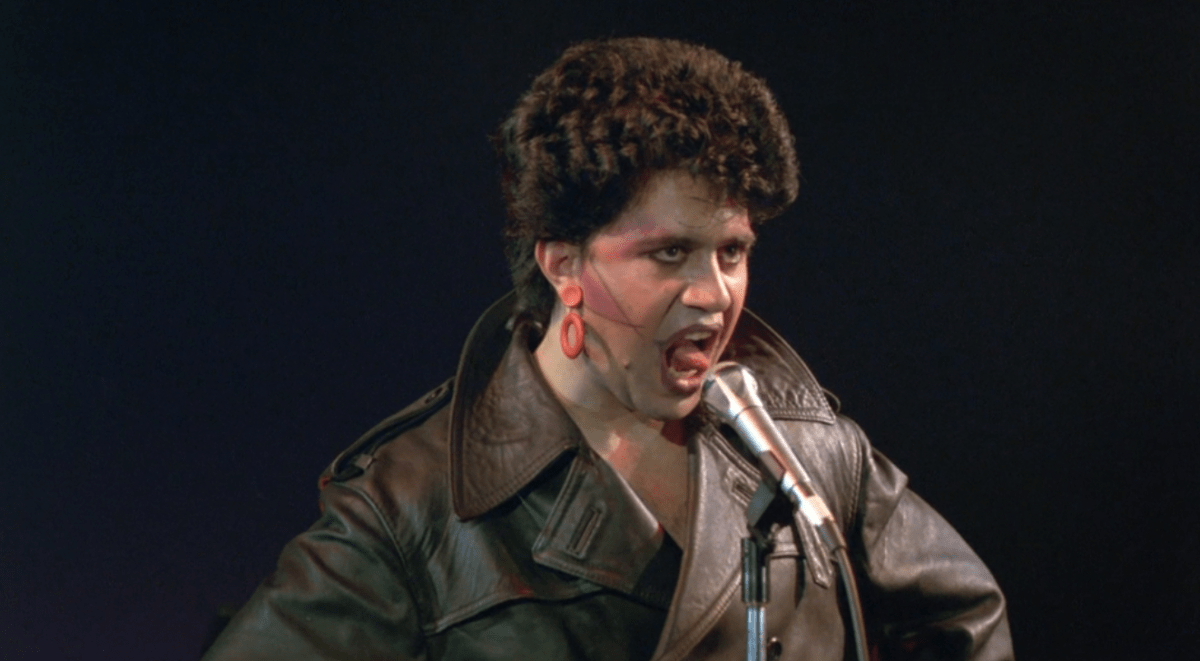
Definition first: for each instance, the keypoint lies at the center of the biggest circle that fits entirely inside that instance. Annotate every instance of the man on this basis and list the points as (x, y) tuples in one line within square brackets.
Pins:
[(565, 496)]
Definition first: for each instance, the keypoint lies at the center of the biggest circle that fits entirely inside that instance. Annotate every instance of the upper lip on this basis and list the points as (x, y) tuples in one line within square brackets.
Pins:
[(704, 335)]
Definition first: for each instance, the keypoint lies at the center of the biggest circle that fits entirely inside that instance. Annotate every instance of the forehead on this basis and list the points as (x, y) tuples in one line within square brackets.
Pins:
[(677, 204)]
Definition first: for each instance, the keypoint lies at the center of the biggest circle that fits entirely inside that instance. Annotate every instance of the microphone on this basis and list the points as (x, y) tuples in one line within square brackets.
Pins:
[(731, 392)]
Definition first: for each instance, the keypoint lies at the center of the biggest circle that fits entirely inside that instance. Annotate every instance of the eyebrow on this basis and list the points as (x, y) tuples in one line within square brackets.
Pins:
[(671, 239)]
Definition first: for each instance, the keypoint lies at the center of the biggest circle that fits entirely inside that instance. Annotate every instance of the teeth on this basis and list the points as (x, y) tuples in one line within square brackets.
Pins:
[(676, 374), (698, 336)]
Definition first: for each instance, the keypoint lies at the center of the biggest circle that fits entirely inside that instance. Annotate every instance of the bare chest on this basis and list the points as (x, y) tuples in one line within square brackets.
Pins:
[(661, 482)]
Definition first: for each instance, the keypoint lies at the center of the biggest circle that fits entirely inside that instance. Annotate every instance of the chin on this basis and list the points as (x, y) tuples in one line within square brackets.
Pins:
[(670, 407)]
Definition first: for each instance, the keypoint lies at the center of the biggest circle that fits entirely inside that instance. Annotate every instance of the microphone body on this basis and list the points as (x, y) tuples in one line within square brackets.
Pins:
[(732, 393)]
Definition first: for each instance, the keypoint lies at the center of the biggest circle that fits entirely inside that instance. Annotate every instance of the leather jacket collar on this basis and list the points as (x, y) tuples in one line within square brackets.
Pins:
[(506, 426)]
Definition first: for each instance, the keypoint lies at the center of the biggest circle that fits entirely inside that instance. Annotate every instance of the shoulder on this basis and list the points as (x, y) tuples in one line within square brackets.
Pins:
[(400, 466), (353, 461)]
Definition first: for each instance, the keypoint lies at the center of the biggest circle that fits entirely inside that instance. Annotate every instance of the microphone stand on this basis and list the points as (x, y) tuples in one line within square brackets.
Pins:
[(756, 592), (729, 400), (756, 578)]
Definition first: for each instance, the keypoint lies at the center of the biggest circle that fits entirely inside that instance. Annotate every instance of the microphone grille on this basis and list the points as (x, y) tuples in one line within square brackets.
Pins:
[(730, 389)]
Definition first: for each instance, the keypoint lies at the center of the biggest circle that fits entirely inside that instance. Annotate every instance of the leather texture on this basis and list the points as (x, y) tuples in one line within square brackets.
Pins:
[(477, 524)]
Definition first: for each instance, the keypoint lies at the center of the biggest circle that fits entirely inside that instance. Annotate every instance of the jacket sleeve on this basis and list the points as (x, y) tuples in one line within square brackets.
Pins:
[(339, 592), (926, 594)]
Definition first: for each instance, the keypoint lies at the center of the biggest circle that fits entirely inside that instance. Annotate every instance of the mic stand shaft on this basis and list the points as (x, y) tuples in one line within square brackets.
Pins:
[(756, 592), (756, 584), (756, 577)]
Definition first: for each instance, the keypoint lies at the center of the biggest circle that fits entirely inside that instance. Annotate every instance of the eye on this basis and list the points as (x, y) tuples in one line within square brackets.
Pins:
[(734, 253), (669, 254)]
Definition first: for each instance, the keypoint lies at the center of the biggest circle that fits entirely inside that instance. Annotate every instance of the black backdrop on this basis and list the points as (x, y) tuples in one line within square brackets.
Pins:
[(232, 238)]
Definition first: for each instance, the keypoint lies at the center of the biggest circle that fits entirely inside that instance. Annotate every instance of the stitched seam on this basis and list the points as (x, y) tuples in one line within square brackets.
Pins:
[(807, 414), (391, 427)]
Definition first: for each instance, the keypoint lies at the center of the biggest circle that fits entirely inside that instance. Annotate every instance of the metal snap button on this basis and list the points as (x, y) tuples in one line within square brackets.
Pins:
[(774, 649)]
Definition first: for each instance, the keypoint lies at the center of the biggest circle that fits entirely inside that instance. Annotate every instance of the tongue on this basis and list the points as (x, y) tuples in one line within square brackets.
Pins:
[(688, 357)]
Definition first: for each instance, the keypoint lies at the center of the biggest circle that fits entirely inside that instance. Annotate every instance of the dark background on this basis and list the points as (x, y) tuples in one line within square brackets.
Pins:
[(233, 238)]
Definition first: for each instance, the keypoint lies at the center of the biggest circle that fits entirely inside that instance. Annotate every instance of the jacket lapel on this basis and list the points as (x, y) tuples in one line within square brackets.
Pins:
[(710, 578), (599, 530)]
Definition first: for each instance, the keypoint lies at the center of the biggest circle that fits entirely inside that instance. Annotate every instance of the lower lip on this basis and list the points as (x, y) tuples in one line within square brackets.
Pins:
[(686, 385)]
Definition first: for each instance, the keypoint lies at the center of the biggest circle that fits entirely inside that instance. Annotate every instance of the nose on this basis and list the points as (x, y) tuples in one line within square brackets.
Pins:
[(707, 288)]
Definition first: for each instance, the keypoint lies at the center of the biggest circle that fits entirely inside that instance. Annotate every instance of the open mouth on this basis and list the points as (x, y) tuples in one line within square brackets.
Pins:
[(687, 358)]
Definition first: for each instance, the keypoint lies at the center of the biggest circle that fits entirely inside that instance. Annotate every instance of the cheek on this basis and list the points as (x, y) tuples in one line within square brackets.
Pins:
[(737, 291), (628, 299), (598, 297)]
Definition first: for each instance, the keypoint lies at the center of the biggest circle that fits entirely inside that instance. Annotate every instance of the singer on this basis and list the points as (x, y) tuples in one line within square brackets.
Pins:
[(566, 495)]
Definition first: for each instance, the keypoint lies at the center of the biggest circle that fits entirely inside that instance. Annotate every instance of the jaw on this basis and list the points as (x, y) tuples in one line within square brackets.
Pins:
[(663, 407), (632, 377)]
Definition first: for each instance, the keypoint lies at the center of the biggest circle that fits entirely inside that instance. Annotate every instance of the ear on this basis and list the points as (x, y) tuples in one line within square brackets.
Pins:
[(559, 262)]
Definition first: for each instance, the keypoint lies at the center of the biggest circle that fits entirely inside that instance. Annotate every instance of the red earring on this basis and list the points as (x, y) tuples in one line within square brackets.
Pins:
[(572, 296)]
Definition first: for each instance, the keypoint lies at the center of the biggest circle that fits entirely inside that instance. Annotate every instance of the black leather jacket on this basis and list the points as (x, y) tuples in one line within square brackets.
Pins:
[(477, 524)]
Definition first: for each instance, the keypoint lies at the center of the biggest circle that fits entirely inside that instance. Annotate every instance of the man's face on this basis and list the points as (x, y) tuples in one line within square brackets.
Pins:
[(663, 286)]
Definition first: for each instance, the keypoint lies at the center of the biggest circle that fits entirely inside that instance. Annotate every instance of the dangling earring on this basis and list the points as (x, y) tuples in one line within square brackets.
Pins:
[(572, 296)]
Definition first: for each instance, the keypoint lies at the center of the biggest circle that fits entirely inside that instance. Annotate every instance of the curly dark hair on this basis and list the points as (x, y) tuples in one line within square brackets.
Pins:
[(585, 138)]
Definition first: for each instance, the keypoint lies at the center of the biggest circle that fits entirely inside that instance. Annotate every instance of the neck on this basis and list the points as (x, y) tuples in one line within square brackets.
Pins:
[(615, 432), (649, 454)]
